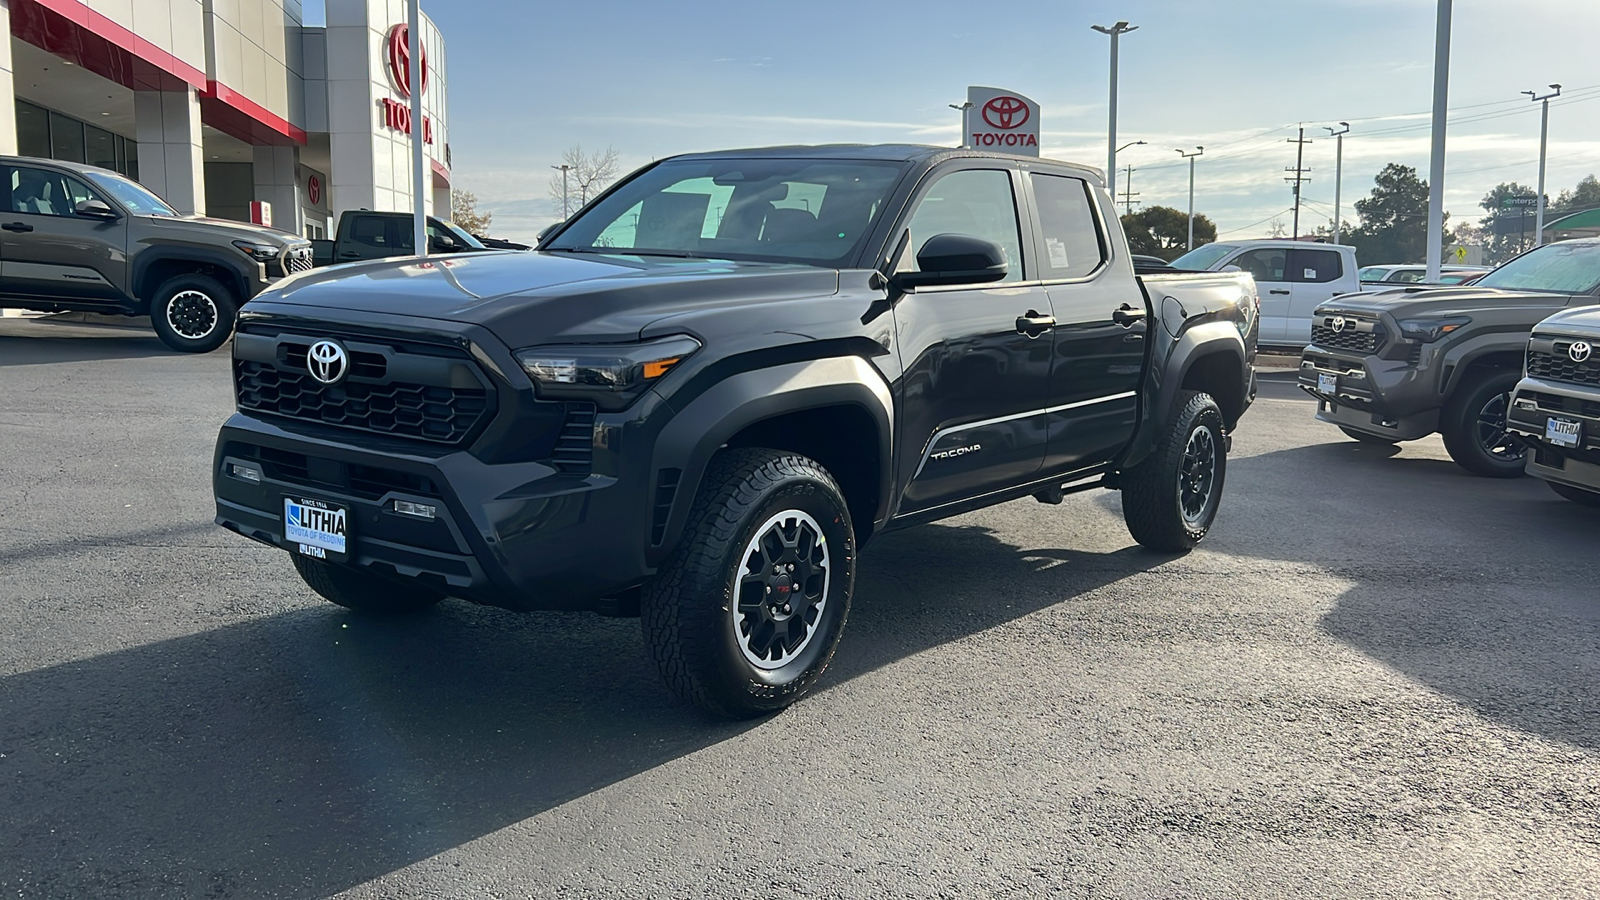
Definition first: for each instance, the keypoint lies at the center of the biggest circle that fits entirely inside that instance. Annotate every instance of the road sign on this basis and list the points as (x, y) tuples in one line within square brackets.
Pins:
[(1514, 202), (1461, 254)]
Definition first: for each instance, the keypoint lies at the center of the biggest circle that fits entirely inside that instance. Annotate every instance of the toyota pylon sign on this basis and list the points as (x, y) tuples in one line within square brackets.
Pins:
[(1002, 120)]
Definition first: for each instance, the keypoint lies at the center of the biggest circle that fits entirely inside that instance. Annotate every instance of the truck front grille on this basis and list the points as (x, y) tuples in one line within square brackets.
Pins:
[(1557, 364), (1355, 335)]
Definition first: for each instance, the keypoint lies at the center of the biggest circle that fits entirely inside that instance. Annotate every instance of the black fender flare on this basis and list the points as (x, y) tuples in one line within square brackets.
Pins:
[(1459, 359), (1196, 342), (697, 432), (234, 263)]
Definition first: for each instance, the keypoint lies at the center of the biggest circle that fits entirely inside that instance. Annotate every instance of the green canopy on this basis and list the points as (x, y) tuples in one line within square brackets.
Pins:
[(1582, 224)]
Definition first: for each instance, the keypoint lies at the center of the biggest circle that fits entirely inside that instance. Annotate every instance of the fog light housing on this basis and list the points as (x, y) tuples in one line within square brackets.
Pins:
[(418, 510), (1524, 403), (244, 472)]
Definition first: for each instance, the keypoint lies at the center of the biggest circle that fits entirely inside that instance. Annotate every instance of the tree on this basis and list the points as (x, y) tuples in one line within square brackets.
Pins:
[(1163, 231), (464, 212), (1394, 219), (1277, 229), (582, 176), (1585, 196), (1508, 227)]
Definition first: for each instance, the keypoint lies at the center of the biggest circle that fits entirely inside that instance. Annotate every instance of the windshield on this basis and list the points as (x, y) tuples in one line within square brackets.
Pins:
[(1571, 268), (1203, 258), (1373, 273), (814, 212), (135, 196)]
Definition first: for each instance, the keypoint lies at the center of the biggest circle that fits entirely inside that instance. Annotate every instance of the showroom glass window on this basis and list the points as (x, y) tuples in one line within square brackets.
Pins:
[(1072, 244), (47, 134), (975, 202)]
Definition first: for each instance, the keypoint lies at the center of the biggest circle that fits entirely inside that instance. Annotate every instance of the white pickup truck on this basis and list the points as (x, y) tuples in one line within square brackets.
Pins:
[(1293, 278)]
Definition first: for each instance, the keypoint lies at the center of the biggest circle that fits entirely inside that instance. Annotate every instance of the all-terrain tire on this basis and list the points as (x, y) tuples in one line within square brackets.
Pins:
[(709, 609), (1474, 414), (361, 591), (193, 313), (1367, 438), (1171, 498), (1576, 494)]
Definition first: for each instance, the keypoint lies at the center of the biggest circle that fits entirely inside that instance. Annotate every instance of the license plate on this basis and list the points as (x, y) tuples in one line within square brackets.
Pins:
[(317, 529), (1327, 384), (1563, 432)]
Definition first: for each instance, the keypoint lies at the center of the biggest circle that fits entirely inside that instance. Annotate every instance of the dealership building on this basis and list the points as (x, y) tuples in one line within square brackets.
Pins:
[(230, 108)]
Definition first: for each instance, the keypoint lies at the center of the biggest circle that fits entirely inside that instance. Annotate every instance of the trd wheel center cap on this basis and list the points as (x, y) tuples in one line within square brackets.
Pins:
[(783, 595)]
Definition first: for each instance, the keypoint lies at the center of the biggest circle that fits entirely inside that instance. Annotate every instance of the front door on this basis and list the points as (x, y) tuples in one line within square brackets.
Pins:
[(977, 358), (51, 252), (1099, 333), (1270, 268)]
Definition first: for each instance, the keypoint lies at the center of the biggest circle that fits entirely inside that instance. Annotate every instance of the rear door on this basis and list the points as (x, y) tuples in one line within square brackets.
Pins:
[(1099, 338), (48, 251), (1270, 268), (977, 373), (1315, 275), (367, 236)]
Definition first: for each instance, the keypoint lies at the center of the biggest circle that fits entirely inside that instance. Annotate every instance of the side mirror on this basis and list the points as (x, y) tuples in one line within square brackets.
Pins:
[(950, 259), (1231, 268), (546, 230), (442, 245), (96, 209)]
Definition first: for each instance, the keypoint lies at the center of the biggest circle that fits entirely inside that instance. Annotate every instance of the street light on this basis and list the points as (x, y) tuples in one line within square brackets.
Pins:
[(564, 170), (1441, 104), (1114, 31), (1190, 157), (962, 108), (1338, 171), (1544, 130), (1126, 146)]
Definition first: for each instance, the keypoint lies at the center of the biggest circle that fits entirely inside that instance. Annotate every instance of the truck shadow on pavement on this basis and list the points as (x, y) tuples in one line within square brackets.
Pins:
[(1482, 589), (309, 751), (41, 345)]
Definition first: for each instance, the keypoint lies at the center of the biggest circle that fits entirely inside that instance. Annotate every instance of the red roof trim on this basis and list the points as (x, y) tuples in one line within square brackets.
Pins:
[(441, 175), (230, 111), (73, 31)]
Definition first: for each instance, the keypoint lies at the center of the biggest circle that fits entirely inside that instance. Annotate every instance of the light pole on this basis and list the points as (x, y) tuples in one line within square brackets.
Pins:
[(1114, 31), (1338, 171), (1544, 131), (962, 108), (1441, 103), (564, 170), (1190, 157), (418, 80)]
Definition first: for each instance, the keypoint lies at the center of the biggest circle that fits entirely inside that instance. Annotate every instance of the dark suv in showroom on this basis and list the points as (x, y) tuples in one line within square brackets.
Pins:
[(77, 238)]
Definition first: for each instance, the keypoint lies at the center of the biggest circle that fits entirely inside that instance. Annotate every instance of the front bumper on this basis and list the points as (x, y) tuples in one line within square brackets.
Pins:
[(1534, 404), (519, 535), (1395, 398)]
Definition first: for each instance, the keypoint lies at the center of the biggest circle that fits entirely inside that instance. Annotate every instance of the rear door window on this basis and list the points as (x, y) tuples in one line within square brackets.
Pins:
[(1314, 266), (1073, 247)]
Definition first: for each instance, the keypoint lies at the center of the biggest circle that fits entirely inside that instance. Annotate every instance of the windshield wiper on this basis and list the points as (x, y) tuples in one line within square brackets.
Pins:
[(615, 251)]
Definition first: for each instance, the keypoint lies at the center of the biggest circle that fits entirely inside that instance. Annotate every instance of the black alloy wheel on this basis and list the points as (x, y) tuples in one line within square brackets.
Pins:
[(1171, 498), (1197, 476), (1473, 425)]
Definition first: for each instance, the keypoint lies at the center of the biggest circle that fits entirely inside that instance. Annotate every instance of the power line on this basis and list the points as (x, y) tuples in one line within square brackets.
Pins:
[(1254, 224)]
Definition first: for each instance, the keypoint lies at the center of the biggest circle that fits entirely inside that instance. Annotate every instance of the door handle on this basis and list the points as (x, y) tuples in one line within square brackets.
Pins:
[(17, 226), (1277, 292), (350, 254), (1126, 315), (1033, 324)]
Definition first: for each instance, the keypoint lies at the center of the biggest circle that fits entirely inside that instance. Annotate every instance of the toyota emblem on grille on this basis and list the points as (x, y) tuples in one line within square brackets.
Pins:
[(1579, 351), (327, 362), (1338, 324)]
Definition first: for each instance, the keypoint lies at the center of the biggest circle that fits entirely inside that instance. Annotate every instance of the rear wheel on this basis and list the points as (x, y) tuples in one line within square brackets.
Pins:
[(363, 592), (746, 613), (1170, 500), (1474, 426), (1576, 494), (1366, 438), (193, 313)]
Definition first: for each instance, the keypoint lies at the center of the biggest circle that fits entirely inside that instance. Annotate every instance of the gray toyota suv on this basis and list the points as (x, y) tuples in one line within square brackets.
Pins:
[(80, 238)]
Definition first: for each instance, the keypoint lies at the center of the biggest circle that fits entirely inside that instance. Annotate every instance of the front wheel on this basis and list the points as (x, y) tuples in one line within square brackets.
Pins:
[(193, 313), (1474, 426), (1368, 438), (745, 615), (1170, 500), (1576, 494)]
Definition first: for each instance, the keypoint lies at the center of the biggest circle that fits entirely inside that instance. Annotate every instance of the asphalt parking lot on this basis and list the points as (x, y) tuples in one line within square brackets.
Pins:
[(1377, 677)]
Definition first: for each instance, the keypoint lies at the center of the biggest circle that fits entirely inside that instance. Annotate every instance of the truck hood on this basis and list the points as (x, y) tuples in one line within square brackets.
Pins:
[(1406, 303), (212, 229), (528, 298), (1583, 320)]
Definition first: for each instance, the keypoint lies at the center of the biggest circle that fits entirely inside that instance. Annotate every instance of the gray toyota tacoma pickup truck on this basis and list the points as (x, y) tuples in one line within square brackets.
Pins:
[(700, 397), (1400, 365), (1556, 407)]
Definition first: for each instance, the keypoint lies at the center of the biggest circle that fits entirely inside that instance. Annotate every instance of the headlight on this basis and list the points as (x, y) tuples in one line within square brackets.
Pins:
[(259, 252), (1429, 330), (612, 375)]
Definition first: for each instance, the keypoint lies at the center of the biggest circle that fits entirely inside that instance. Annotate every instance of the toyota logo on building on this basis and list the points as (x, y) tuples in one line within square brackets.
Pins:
[(327, 362), (1005, 113), (1579, 351), (400, 59), (1337, 323)]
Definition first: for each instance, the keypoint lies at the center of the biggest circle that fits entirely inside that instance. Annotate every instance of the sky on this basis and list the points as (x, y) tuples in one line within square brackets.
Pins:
[(651, 79)]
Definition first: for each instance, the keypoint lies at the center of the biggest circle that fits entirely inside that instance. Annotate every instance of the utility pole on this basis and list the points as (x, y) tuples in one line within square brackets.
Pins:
[(1128, 193), (1190, 157), (1441, 104), (1544, 131), (564, 207), (1299, 178), (1338, 171), (1114, 31)]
